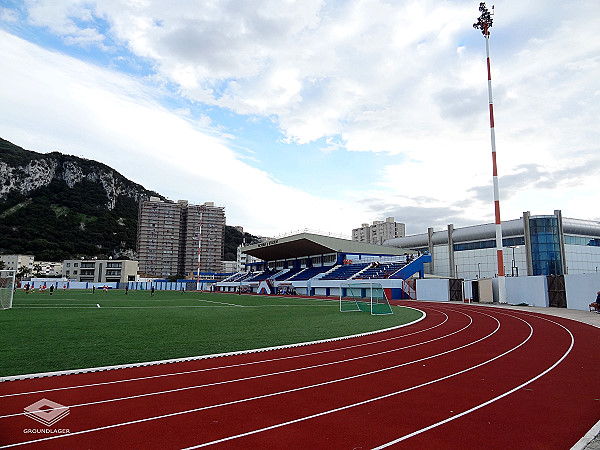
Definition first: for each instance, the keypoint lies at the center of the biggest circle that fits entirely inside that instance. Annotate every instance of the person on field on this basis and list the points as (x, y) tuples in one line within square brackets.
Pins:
[(51, 289), (126, 289), (152, 291)]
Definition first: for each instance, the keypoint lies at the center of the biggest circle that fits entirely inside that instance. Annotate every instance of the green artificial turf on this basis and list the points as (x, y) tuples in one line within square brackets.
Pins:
[(69, 331)]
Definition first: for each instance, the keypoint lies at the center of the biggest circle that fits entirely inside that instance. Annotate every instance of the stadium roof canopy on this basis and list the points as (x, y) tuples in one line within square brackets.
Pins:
[(308, 244)]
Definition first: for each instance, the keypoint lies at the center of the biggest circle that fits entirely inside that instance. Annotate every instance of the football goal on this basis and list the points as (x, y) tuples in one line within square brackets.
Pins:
[(365, 296), (7, 288)]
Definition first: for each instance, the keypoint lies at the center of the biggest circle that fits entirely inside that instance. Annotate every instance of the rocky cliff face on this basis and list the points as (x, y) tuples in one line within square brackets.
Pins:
[(33, 171), (58, 206)]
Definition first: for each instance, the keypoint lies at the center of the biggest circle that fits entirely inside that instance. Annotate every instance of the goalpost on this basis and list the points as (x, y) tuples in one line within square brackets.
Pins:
[(364, 296), (7, 288)]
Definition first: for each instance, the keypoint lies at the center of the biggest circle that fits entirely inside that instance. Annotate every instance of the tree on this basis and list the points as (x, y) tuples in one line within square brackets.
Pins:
[(23, 272)]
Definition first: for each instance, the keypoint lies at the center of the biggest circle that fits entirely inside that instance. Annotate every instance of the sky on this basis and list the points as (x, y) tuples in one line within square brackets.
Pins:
[(316, 114)]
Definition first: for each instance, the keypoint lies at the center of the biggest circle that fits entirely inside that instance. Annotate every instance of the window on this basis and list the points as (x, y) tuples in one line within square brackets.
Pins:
[(545, 246), (580, 240), (506, 242)]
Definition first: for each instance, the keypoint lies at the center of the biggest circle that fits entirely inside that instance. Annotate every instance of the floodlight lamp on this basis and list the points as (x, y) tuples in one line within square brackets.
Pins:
[(484, 22)]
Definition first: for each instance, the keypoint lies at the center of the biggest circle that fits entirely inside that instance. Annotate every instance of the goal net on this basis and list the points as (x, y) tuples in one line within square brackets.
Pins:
[(7, 287), (366, 296)]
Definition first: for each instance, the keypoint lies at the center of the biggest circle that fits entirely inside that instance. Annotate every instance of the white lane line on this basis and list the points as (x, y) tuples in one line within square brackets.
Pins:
[(489, 402), (244, 400), (364, 402), (283, 372), (229, 366), (231, 354)]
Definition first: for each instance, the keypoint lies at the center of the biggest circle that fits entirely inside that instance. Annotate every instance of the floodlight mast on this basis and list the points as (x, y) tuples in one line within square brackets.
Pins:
[(484, 23)]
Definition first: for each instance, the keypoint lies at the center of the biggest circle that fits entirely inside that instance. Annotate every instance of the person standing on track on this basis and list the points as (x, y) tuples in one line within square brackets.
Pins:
[(152, 291)]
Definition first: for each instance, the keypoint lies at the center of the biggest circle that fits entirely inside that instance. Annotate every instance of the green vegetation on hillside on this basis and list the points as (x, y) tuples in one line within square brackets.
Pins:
[(57, 222)]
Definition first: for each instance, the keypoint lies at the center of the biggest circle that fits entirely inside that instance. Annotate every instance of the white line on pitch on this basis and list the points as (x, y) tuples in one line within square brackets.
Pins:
[(230, 366), (297, 390), (221, 303), (283, 372)]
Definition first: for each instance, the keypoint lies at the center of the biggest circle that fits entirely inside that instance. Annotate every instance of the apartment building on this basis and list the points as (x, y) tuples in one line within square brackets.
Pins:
[(100, 270), (379, 232), (172, 235), (16, 262)]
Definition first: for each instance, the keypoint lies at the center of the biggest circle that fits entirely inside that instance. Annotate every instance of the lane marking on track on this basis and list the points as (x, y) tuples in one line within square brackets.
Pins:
[(234, 402), (489, 402), (218, 355), (283, 372), (229, 366), (302, 419)]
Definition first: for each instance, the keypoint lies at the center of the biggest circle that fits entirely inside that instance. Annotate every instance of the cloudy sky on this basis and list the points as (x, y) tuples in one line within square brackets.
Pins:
[(314, 113)]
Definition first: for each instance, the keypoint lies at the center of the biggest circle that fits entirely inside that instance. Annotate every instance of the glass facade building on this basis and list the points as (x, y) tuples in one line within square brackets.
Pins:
[(545, 246), (532, 245)]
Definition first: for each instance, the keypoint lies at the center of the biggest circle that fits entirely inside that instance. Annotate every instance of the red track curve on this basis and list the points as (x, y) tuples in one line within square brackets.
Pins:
[(466, 376)]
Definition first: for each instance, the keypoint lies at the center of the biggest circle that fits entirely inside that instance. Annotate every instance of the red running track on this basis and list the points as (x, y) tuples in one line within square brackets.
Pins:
[(466, 376)]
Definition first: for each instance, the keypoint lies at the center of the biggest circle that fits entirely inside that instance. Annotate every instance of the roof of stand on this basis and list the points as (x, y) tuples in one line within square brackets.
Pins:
[(308, 244)]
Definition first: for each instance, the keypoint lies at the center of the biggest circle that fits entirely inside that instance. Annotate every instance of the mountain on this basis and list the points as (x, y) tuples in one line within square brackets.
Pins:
[(57, 207)]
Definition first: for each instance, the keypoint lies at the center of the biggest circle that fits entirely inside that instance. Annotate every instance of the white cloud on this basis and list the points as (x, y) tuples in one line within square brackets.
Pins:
[(8, 15), (80, 109), (404, 78)]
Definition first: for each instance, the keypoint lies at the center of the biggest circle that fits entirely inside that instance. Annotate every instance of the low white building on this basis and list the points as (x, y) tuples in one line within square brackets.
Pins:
[(16, 262), (100, 270)]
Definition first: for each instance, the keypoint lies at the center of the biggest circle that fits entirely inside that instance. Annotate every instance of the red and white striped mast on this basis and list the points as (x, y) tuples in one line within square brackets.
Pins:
[(484, 23)]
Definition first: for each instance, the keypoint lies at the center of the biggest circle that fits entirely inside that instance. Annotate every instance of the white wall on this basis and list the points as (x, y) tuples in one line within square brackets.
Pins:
[(530, 290), (581, 290), (433, 289)]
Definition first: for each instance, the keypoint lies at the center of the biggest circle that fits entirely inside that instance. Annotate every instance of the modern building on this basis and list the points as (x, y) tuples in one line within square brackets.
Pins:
[(178, 238), (48, 268), (230, 266), (100, 270), (379, 232), (16, 262), (244, 260), (532, 245)]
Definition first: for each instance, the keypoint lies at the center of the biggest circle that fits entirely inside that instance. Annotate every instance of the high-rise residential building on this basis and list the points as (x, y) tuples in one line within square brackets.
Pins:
[(379, 232), (210, 219), (172, 235)]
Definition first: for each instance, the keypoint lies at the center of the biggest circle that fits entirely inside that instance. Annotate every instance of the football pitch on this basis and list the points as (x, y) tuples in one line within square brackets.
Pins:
[(78, 329)]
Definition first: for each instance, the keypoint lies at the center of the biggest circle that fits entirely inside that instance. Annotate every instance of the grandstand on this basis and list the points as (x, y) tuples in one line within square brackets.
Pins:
[(313, 264)]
